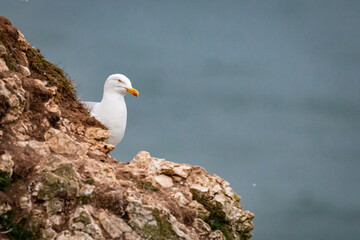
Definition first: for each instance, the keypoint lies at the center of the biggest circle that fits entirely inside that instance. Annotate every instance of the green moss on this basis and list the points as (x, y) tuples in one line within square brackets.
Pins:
[(16, 230), (89, 181), (62, 182), (237, 197), (6, 219), (146, 185), (66, 171), (53, 185), (162, 230), (217, 219), (10, 63), (5, 180), (99, 139), (84, 218), (84, 199), (20, 232)]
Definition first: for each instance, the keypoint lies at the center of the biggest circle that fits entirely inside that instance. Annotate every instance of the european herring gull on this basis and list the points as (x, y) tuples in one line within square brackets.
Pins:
[(111, 111)]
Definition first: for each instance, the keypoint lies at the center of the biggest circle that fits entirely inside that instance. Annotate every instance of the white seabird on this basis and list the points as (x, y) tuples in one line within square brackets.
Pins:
[(111, 111)]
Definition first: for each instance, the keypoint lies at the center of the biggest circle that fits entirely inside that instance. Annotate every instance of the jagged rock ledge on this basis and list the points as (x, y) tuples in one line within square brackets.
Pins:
[(57, 180)]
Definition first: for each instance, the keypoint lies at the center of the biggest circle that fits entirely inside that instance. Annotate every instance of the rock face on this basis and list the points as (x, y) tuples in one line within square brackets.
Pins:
[(57, 180)]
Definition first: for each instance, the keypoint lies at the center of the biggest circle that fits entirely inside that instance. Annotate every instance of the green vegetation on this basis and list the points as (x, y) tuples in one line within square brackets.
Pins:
[(16, 230), (10, 62), (89, 181), (99, 139), (55, 75), (61, 182), (5, 180), (146, 185), (84, 198), (84, 218), (217, 219), (162, 230)]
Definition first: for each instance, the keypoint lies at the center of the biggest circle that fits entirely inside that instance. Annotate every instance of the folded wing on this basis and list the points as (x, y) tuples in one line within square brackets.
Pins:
[(90, 106)]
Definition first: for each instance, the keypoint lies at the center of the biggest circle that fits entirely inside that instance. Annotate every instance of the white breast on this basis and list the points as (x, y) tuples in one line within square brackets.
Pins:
[(113, 116)]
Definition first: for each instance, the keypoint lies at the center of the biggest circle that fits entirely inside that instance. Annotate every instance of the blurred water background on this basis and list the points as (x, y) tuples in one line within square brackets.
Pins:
[(266, 94)]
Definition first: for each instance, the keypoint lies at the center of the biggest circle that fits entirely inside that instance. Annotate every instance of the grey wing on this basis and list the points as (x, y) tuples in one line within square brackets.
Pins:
[(89, 105)]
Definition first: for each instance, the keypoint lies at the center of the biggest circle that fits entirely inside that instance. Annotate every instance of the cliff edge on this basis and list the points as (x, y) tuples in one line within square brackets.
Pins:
[(57, 180)]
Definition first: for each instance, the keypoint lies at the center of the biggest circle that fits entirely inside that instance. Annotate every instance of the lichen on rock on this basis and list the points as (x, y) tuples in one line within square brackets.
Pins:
[(57, 180)]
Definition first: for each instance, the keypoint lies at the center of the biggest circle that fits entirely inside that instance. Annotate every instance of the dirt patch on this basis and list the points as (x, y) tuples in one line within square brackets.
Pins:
[(114, 201), (4, 106), (25, 159)]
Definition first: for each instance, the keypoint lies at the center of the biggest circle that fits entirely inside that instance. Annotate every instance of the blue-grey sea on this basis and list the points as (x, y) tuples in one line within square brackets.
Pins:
[(265, 94)]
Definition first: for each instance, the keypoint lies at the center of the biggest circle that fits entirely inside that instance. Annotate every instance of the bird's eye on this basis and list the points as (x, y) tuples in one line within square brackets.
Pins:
[(119, 80)]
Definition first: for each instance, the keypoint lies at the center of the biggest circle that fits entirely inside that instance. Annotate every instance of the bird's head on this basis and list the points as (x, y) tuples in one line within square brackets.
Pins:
[(120, 84)]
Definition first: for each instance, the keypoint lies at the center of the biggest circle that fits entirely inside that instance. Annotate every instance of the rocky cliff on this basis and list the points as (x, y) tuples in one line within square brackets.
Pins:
[(57, 180)]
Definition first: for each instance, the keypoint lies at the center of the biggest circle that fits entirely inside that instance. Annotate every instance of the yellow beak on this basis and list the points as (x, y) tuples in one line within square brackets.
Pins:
[(133, 91)]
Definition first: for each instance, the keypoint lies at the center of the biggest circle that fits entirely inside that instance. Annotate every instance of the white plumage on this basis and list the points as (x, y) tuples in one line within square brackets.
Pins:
[(111, 111)]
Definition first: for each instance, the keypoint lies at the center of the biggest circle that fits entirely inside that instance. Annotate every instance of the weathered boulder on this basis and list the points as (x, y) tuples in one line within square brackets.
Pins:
[(57, 180)]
